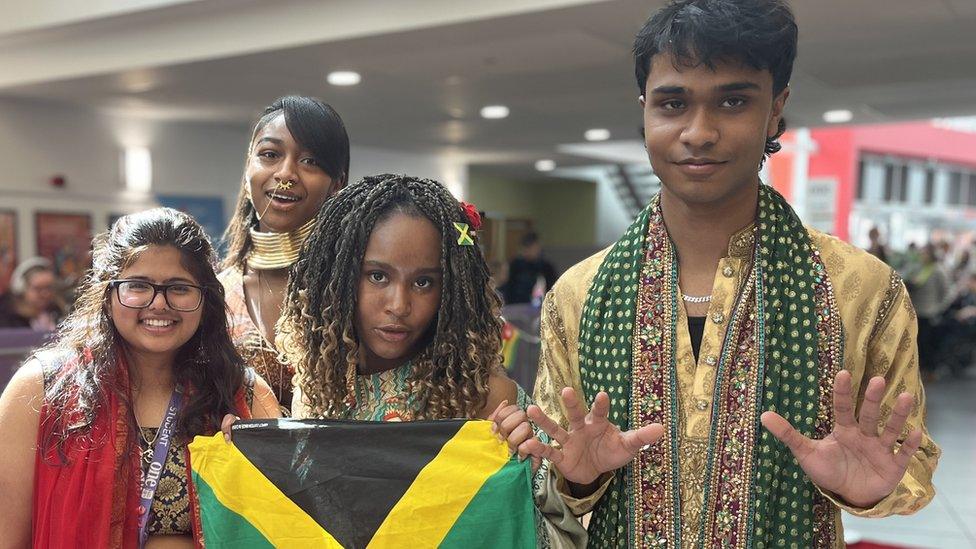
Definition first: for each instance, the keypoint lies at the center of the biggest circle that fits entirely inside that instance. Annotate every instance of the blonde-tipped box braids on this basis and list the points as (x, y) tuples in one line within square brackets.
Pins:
[(449, 377)]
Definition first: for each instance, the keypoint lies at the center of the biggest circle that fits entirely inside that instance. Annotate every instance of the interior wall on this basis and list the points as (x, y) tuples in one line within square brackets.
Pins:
[(612, 218), (564, 211), (40, 140)]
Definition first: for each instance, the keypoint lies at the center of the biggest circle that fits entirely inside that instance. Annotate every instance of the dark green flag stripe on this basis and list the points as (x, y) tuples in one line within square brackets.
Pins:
[(508, 494), (347, 475), (223, 527)]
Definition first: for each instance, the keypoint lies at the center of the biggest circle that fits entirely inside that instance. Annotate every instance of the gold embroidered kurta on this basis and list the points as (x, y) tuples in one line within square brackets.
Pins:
[(879, 328)]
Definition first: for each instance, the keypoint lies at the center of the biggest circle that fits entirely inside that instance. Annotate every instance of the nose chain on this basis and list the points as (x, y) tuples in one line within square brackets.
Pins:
[(280, 186)]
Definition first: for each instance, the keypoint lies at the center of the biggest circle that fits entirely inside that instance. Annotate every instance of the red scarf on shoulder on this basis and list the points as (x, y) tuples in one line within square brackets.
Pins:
[(90, 499)]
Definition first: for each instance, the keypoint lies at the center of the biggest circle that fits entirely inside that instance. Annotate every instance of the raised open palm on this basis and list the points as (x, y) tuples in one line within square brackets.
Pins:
[(854, 461), (592, 445)]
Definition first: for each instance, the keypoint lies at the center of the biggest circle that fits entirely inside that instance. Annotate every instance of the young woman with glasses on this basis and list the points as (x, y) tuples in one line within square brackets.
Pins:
[(95, 426)]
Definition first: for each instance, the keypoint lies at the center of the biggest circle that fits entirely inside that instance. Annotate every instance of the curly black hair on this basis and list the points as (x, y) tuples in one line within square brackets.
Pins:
[(449, 377)]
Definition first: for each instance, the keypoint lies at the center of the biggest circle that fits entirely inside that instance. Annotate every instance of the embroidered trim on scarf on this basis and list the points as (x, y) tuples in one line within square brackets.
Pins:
[(781, 351)]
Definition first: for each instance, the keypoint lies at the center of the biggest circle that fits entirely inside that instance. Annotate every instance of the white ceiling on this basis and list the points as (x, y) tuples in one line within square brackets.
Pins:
[(561, 67)]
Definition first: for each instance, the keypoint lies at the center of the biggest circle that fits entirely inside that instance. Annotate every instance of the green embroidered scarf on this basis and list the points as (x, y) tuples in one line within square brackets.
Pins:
[(780, 351)]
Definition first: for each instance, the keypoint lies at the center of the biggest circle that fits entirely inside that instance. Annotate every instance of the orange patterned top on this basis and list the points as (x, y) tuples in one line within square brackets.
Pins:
[(257, 351)]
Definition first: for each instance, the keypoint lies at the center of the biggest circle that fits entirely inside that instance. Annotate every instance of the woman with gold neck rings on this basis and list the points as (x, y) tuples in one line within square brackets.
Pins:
[(298, 157)]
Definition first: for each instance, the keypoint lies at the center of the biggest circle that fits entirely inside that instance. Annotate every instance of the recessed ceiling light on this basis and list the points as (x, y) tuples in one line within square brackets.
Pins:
[(137, 166), (597, 134), (838, 116), (343, 78), (545, 165), (494, 112)]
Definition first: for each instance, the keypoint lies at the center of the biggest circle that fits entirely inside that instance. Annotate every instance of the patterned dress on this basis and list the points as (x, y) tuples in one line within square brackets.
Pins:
[(385, 396), (171, 502), (257, 351)]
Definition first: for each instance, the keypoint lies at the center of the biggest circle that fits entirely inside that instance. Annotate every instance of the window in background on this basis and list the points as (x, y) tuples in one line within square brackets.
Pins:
[(929, 195), (903, 183), (862, 180), (895, 181), (971, 196), (955, 188), (889, 183)]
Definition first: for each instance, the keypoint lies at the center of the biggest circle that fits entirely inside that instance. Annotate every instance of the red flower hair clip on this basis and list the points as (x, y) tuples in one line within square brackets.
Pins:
[(471, 212)]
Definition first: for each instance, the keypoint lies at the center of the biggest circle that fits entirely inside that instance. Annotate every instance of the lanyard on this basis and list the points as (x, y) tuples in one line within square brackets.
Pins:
[(151, 479)]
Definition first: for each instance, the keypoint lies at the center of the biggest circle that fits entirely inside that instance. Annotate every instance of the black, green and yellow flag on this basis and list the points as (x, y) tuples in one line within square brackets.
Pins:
[(291, 483)]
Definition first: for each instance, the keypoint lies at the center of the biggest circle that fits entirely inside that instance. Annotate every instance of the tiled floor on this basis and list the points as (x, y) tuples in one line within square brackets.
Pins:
[(949, 522)]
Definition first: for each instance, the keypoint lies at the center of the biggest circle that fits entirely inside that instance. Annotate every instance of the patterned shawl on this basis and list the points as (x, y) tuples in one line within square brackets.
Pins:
[(780, 351), (90, 499)]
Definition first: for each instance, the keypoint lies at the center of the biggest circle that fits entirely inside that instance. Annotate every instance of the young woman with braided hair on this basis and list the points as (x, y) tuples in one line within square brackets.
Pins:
[(391, 315), (386, 293)]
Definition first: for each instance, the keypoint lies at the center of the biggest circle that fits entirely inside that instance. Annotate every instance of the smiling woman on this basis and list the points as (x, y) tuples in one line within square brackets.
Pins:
[(104, 413), (298, 157)]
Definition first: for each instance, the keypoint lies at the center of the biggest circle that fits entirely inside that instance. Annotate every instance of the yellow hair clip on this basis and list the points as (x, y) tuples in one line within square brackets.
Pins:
[(465, 239)]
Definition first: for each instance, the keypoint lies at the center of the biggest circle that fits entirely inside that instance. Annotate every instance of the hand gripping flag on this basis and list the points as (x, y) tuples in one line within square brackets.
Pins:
[(304, 483)]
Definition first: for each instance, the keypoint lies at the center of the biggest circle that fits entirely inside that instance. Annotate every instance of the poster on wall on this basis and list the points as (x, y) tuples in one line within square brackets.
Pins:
[(207, 210), (8, 247), (65, 239)]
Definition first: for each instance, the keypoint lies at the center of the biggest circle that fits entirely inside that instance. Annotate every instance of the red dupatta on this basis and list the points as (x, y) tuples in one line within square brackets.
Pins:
[(90, 498)]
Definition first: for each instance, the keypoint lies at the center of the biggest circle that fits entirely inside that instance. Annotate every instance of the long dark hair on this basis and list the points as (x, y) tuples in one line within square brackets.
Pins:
[(91, 344), (317, 334), (317, 127)]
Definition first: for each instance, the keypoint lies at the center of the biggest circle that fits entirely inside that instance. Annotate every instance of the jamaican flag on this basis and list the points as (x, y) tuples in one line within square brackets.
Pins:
[(304, 483)]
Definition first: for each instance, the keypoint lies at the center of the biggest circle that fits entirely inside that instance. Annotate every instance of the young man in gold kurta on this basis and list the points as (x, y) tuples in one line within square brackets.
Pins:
[(800, 328)]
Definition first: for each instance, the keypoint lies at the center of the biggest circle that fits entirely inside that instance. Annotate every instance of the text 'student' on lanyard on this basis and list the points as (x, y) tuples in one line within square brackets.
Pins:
[(150, 480)]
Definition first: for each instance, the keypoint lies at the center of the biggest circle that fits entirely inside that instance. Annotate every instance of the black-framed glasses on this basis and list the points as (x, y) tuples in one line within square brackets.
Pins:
[(139, 294)]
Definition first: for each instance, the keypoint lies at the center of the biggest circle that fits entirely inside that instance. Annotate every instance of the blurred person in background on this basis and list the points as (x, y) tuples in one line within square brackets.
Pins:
[(499, 275), (905, 262), (944, 255), (32, 301), (527, 270), (929, 287), (959, 328), (877, 248), (298, 157), (960, 269)]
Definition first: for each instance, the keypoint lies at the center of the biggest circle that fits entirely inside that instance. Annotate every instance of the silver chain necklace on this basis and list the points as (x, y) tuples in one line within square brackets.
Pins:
[(696, 298)]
